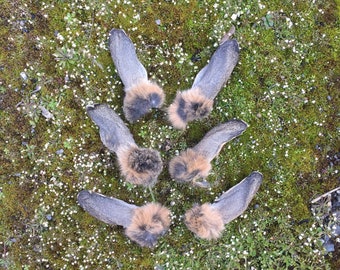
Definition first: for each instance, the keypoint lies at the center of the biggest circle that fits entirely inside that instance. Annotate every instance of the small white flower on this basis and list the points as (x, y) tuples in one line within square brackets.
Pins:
[(234, 16)]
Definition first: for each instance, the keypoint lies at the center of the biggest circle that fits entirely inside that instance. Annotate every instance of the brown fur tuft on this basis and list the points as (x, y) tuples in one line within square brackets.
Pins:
[(140, 166), (149, 222), (189, 105), (189, 165), (204, 221), (141, 98)]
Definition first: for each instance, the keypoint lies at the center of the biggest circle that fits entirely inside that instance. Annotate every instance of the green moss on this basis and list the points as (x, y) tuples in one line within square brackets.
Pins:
[(285, 87)]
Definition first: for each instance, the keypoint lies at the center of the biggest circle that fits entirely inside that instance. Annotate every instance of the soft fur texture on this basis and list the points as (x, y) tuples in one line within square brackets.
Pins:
[(189, 105), (149, 222), (204, 221), (140, 166), (141, 98), (189, 165)]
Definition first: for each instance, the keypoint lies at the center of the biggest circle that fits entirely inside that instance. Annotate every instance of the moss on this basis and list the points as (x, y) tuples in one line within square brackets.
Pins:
[(285, 87)]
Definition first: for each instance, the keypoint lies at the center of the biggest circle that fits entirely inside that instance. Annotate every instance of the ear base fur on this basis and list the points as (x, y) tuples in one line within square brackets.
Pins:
[(189, 105), (140, 166), (148, 223), (189, 165), (204, 221), (141, 98)]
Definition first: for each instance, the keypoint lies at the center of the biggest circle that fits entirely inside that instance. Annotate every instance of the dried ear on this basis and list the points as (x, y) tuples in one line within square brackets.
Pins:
[(141, 94), (123, 53)]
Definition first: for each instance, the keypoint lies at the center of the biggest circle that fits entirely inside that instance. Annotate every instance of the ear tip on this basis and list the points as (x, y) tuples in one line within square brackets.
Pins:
[(83, 195), (257, 178), (84, 198), (91, 107), (116, 31), (238, 124), (243, 124), (256, 175), (95, 106)]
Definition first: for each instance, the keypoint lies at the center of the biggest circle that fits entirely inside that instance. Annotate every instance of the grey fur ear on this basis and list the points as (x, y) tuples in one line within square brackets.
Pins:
[(113, 132), (109, 210), (196, 103), (141, 95), (214, 140), (207, 220), (140, 166), (235, 201), (123, 53), (194, 163), (214, 75), (143, 225)]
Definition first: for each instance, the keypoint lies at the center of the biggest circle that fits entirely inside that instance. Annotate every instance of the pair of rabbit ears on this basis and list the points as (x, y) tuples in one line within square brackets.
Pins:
[(194, 163), (145, 224), (140, 166), (141, 95)]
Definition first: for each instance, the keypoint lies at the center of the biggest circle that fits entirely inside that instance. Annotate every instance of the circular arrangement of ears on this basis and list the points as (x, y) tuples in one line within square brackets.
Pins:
[(145, 224)]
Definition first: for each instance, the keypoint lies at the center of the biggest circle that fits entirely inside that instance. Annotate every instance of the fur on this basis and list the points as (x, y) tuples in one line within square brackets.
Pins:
[(189, 105), (140, 166), (204, 221), (141, 98), (149, 222), (189, 165)]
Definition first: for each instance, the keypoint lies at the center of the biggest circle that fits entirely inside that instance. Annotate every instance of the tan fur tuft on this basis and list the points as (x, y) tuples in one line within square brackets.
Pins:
[(189, 165), (141, 98), (204, 221), (149, 222), (140, 166), (189, 105)]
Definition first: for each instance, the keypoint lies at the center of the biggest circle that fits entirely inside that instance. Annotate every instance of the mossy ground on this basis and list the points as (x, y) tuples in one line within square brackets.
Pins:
[(54, 54)]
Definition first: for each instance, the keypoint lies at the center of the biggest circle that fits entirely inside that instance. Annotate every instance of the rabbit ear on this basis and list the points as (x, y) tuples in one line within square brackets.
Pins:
[(124, 56), (213, 141), (141, 94), (235, 201), (216, 73), (113, 132), (109, 210)]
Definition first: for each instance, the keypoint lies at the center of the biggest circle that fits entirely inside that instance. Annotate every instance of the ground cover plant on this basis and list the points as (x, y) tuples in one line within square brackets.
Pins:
[(54, 60)]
